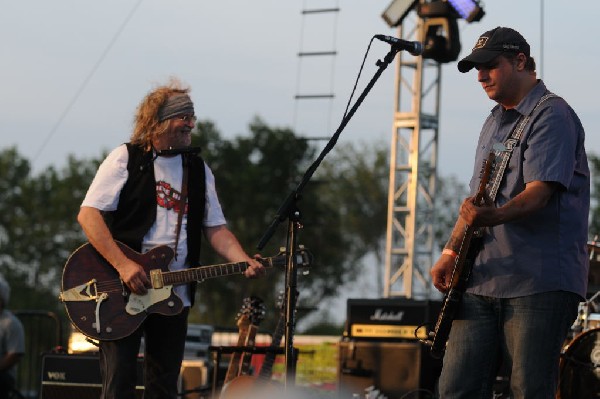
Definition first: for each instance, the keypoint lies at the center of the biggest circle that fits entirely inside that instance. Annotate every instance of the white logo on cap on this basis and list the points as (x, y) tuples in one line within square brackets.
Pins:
[(481, 42)]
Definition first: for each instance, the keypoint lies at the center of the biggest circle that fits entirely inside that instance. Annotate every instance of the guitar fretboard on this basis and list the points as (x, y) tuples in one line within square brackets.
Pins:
[(199, 274), (206, 272)]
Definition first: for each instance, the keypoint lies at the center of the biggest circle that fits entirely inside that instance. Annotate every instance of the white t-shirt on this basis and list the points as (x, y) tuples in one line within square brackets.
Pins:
[(104, 192), (12, 336)]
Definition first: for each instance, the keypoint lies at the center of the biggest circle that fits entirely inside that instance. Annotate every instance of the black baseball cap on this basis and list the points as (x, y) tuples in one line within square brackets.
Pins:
[(493, 43)]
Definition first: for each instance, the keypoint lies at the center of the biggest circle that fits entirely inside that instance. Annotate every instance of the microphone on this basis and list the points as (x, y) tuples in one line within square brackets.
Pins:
[(414, 48)]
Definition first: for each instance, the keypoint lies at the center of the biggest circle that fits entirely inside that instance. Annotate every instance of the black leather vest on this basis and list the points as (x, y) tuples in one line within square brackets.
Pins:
[(136, 211)]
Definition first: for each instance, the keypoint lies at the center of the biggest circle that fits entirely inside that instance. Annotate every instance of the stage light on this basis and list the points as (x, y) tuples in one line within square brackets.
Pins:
[(436, 9), (397, 11), (442, 43), (441, 37), (468, 9)]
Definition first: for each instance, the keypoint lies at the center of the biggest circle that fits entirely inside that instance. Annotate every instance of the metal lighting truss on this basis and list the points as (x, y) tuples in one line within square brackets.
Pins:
[(413, 171)]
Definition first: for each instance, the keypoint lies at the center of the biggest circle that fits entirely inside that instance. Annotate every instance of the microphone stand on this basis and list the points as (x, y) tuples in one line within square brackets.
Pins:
[(289, 210)]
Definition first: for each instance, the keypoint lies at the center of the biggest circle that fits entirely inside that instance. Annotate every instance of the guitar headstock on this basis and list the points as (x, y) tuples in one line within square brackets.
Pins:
[(252, 312), (303, 257), (281, 301)]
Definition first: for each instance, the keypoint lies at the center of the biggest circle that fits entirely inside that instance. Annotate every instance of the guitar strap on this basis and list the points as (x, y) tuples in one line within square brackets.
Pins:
[(505, 152), (182, 201)]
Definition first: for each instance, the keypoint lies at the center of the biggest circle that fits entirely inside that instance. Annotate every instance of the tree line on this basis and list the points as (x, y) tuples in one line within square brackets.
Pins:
[(343, 214)]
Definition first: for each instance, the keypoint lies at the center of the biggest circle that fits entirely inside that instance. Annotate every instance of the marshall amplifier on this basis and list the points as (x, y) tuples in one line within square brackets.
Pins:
[(70, 376), (390, 318)]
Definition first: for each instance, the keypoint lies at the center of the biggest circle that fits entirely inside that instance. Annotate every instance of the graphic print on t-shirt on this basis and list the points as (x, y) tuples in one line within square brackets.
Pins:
[(167, 197)]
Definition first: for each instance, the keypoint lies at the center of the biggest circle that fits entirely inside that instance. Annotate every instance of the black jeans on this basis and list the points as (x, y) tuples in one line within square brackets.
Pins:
[(164, 342), (7, 383)]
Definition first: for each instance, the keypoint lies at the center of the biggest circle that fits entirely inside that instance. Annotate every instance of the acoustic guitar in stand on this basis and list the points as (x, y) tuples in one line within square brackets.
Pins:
[(250, 316), (242, 385)]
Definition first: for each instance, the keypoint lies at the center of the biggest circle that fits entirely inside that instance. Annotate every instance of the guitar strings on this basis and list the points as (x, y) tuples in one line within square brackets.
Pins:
[(180, 276), (185, 275)]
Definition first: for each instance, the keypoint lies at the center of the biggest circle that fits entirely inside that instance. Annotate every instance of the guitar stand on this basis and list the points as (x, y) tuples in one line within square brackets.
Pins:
[(217, 351)]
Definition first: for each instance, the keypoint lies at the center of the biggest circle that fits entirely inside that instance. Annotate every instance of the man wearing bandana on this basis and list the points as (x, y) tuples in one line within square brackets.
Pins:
[(135, 199), (531, 271)]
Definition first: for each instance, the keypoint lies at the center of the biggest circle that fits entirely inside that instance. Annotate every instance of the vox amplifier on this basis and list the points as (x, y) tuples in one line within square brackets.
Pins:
[(390, 318), (76, 376)]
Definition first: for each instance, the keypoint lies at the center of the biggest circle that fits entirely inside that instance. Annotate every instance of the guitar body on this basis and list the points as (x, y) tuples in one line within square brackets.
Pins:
[(451, 303), (94, 294), (244, 386)]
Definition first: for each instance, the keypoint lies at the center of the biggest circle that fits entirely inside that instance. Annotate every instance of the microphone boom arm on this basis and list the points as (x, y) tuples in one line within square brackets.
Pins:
[(289, 210), (290, 202)]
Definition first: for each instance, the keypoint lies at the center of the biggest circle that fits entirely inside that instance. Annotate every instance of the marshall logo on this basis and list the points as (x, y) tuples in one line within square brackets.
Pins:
[(380, 315)]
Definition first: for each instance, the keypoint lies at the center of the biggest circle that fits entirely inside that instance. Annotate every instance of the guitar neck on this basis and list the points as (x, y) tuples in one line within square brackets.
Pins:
[(247, 356), (267, 368), (204, 272), (466, 256), (234, 362)]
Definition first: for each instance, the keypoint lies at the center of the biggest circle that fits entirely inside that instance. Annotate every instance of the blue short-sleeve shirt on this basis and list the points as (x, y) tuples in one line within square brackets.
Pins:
[(547, 250)]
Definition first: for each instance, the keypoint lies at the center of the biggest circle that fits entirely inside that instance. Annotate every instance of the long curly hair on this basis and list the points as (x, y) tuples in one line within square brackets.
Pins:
[(146, 124)]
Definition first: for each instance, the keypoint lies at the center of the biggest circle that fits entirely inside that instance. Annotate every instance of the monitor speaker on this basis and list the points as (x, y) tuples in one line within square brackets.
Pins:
[(194, 380), (393, 368)]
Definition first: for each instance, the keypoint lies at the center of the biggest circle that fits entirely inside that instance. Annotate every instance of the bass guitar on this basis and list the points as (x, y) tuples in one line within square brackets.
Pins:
[(102, 307), (463, 264)]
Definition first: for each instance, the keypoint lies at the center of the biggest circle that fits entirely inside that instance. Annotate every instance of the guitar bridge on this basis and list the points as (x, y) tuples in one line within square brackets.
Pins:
[(84, 292)]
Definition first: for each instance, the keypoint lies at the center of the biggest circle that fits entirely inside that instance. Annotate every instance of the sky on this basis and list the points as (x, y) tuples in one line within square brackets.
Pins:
[(72, 72)]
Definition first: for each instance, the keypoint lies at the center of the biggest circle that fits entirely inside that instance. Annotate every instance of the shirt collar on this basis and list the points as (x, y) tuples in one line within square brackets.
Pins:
[(528, 103)]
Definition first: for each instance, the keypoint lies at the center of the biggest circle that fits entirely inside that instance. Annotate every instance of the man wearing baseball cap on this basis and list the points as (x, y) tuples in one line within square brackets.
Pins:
[(531, 270)]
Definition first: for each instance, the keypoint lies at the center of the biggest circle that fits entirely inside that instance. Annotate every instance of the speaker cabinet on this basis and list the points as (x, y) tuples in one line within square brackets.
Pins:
[(69, 376), (194, 379), (394, 368)]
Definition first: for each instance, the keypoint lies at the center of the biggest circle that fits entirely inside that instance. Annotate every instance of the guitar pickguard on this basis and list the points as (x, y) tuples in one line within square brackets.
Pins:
[(140, 303)]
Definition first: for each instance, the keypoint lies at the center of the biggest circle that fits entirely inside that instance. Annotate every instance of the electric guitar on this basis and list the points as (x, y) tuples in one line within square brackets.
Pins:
[(463, 264), (249, 317), (102, 307)]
